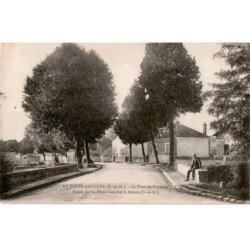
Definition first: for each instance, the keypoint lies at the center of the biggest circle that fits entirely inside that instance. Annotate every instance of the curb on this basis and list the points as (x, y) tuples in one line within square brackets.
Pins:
[(169, 178), (15, 192), (202, 192)]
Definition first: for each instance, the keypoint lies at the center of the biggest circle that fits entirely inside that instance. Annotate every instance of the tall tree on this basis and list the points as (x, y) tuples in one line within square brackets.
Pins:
[(140, 112), (72, 91), (171, 79), (230, 97), (125, 131), (136, 123)]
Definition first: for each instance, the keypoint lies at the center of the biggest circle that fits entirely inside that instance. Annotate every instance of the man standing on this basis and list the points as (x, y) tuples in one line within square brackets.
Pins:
[(196, 164)]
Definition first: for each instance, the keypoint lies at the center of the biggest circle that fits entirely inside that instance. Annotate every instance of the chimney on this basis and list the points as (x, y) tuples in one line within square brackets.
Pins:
[(204, 128)]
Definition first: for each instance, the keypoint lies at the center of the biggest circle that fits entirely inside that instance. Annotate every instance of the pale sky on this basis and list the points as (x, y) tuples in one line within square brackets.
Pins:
[(18, 60)]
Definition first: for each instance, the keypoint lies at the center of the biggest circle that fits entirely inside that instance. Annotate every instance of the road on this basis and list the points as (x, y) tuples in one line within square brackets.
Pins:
[(115, 183)]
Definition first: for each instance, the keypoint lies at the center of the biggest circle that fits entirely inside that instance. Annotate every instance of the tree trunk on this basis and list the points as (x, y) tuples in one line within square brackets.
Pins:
[(87, 155), (154, 147), (143, 152), (130, 152), (44, 157), (172, 162), (79, 155)]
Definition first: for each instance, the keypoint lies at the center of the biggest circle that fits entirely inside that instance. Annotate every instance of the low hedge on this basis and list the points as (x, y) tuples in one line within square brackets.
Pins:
[(6, 166), (235, 176), (19, 178)]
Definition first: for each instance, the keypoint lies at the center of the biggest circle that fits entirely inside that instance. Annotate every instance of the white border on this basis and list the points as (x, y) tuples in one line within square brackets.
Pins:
[(126, 226)]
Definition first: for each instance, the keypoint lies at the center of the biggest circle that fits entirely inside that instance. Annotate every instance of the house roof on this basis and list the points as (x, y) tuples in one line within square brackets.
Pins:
[(181, 131)]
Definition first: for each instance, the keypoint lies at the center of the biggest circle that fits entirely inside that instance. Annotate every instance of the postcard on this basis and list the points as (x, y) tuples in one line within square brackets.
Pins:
[(124, 123)]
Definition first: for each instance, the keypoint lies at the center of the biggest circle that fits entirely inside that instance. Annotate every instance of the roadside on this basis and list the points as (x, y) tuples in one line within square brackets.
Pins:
[(116, 183), (178, 181), (46, 182)]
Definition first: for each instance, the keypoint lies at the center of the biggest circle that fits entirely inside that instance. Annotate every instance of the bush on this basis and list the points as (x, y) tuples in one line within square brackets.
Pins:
[(234, 174), (6, 165), (217, 173), (240, 180)]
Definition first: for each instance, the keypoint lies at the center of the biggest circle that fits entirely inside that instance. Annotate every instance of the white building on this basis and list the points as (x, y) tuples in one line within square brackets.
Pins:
[(187, 142)]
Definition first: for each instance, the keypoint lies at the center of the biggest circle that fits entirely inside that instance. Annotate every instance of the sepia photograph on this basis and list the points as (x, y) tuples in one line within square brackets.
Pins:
[(124, 123)]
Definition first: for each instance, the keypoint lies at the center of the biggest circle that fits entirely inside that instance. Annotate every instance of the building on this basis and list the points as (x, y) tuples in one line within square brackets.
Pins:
[(220, 144), (187, 142)]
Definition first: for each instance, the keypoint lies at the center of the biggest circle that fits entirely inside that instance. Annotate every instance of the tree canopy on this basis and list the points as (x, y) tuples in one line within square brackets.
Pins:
[(26, 146), (72, 91), (9, 146), (124, 129), (135, 107), (53, 141), (135, 124), (230, 97), (171, 79)]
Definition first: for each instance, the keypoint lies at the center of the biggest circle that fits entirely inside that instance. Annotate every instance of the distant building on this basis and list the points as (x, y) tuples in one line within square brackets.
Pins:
[(187, 142), (220, 144)]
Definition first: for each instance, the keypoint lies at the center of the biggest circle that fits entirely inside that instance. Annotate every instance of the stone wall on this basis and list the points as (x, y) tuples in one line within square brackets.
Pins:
[(19, 178), (201, 175)]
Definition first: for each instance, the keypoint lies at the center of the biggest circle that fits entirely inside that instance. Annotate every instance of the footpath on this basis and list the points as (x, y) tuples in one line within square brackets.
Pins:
[(177, 179), (46, 182)]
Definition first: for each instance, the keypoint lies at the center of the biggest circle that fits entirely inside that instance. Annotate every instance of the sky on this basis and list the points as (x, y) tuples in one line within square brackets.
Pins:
[(18, 60)]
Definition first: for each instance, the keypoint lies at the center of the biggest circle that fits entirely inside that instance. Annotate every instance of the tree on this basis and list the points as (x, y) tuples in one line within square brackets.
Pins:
[(125, 131), (135, 124), (139, 109), (104, 145), (230, 97), (12, 146), (72, 91), (171, 79), (26, 146), (53, 141), (9, 146)]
